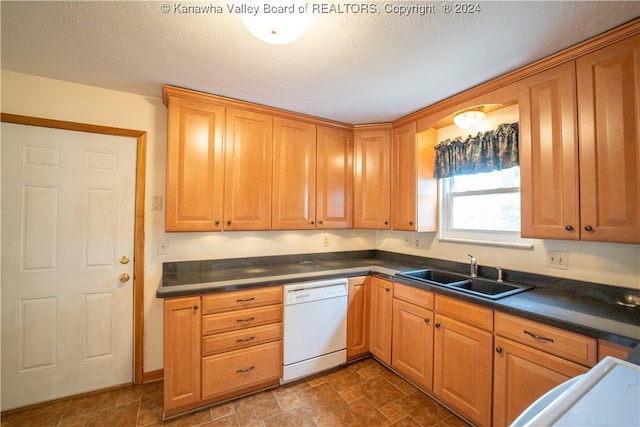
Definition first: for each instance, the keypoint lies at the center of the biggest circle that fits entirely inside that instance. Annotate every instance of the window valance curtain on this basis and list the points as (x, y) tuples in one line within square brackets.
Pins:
[(485, 152)]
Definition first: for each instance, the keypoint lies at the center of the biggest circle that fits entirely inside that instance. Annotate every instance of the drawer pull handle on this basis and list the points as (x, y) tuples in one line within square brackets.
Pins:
[(250, 319), (244, 371), (244, 340), (538, 337), (245, 300)]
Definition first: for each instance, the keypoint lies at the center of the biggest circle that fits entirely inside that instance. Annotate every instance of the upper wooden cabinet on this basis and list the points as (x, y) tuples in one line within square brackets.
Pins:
[(580, 168), (609, 125), (248, 162), (195, 165), (372, 177), (294, 175), (334, 178), (549, 154), (413, 188)]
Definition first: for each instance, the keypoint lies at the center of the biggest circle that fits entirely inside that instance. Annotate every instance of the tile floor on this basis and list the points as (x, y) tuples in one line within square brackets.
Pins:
[(364, 393)]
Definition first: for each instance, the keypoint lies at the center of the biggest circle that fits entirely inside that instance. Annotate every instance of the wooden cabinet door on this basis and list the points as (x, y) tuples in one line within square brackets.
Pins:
[(358, 317), (522, 375), (195, 166), (549, 155), (381, 318), (334, 182), (404, 179), (294, 175), (248, 163), (463, 368), (181, 354), (412, 349), (609, 118), (372, 181)]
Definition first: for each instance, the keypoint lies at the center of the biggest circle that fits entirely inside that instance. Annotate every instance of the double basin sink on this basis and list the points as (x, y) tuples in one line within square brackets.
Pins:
[(477, 286)]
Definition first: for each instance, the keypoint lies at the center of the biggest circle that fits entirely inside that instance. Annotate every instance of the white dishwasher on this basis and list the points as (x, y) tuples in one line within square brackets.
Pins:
[(315, 327)]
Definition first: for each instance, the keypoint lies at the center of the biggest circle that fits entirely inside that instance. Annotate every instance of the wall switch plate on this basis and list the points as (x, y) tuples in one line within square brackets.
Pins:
[(157, 203), (163, 247), (325, 240), (407, 241), (557, 259)]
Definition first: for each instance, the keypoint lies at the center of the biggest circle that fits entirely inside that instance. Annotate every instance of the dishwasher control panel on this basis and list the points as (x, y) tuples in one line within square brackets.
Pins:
[(313, 291)]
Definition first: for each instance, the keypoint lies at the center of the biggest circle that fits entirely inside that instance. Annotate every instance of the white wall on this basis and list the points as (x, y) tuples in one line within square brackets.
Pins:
[(54, 99)]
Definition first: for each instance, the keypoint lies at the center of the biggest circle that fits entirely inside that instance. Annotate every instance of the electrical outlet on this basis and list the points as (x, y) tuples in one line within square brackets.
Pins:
[(416, 242), (558, 259), (163, 247), (325, 240)]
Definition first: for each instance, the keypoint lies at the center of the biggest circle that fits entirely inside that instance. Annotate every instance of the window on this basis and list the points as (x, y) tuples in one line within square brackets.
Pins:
[(483, 207)]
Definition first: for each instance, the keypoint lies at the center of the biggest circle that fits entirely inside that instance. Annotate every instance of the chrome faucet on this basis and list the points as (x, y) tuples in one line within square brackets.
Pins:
[(474, 266)]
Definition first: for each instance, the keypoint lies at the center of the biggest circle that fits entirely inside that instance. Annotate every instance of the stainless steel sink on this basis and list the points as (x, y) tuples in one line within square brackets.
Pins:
[(484, 288)]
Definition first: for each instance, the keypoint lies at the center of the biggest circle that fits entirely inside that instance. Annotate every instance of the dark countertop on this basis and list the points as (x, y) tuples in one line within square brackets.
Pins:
[(586, 308)]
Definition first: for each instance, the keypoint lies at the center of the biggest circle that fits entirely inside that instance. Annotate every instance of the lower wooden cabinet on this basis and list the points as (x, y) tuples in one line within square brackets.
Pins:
[(522, 375), (358, 317), (412, 349), (221, 345), (381, 318), (463, 358), (234, 372), (182, 319)]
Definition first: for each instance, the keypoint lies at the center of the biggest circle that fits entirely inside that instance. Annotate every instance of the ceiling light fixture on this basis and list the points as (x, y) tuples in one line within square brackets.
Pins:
[(278, 21), (469, 117)]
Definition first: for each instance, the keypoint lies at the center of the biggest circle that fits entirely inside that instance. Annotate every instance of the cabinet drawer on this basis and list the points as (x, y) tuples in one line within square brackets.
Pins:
[(417, 296), (565, 344), (241, 319), (227, 301), (466, 312), (236, 340), (237, 371)]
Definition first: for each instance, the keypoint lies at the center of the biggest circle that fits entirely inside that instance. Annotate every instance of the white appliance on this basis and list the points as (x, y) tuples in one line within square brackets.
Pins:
[(315, 327), (607, 395)]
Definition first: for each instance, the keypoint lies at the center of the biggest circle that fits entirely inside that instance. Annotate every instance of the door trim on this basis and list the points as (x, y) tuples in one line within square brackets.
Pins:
[(138, 257)]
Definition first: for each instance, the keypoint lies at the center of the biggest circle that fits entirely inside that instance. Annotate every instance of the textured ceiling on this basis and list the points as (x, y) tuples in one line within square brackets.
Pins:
[(350, 67)]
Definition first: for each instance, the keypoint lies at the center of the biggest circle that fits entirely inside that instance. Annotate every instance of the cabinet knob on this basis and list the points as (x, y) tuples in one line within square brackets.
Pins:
[(498, 349), (228, 222), (410, 222), (195, 307), (386, 223), (426, 321), (217, 222), (437, 325), (568, 227), (387, 290), (321, 222), (588, 228), (312, 222)]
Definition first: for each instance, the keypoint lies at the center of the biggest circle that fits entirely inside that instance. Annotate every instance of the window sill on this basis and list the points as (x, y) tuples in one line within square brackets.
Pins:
[(515, 245)]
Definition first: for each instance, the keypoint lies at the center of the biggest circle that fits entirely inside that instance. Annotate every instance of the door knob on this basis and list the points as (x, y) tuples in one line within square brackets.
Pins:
[(124, 277)]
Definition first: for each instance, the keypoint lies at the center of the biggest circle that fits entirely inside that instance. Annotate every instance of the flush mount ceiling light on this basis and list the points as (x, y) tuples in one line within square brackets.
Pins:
[(277, 21), (469, 118)]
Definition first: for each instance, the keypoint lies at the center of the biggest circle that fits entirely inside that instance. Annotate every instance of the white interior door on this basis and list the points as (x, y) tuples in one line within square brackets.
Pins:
[(68, 210)]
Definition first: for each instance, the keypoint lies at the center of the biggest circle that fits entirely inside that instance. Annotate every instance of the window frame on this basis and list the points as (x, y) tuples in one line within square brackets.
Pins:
[(485, 237)]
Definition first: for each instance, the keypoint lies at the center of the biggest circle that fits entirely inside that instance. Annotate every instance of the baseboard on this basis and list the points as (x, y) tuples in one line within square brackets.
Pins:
[(151, 376)]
